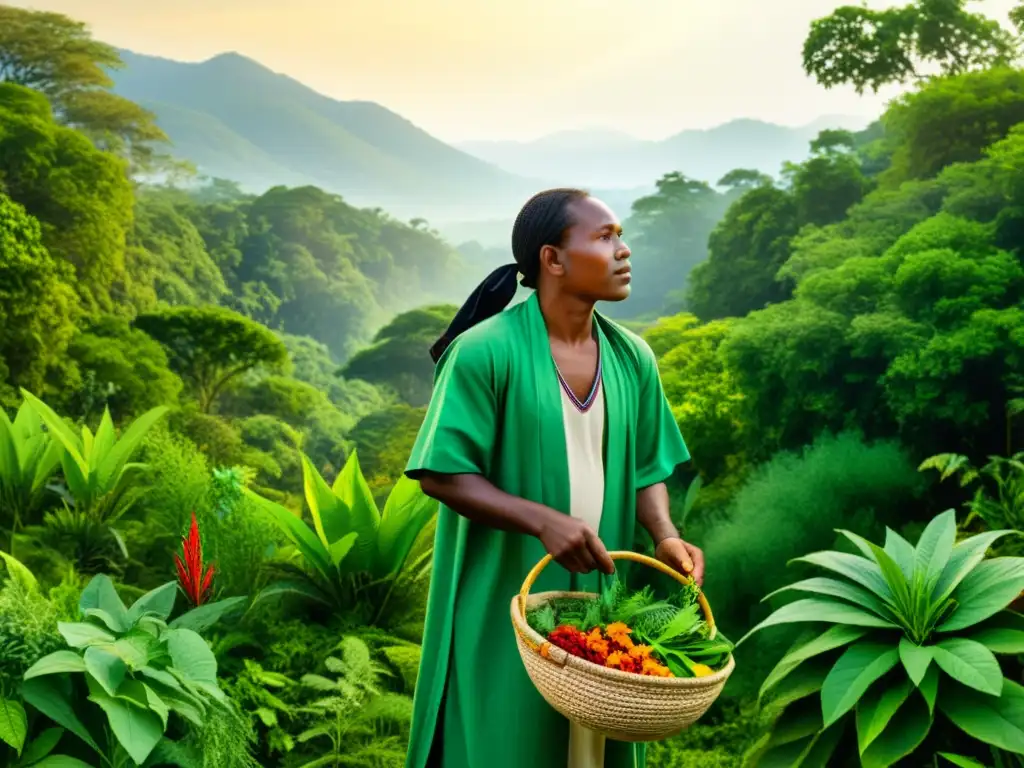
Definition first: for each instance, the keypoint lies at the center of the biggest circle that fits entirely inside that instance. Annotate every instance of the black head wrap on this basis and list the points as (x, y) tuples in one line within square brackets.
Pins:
[(542, 221)]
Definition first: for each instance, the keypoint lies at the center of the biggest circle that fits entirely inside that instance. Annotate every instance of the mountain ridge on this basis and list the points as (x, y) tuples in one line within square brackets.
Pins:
[(235, 118)]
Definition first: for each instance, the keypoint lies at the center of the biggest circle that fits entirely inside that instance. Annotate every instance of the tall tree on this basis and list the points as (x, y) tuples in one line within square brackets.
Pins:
[(80, 195), (868, 49), (37, 305), (209, 347), (57, 56), (670, 229)]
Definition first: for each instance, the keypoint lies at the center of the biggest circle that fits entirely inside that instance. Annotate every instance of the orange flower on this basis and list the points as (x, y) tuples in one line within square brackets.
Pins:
[(654, 669), (640, 652), (619, 633), (597, 643)]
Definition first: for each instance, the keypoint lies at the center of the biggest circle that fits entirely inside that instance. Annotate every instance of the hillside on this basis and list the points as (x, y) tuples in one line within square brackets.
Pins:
[(614, 159), (236, 119)]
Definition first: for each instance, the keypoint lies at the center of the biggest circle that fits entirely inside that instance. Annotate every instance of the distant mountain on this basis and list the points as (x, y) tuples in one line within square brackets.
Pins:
[(235, 118), (608, 158)]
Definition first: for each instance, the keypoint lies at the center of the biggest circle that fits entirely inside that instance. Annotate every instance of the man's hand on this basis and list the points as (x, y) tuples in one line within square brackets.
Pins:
[(682, 556)]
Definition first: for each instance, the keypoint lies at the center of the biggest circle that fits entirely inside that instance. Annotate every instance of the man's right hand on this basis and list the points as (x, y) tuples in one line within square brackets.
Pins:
[(574, 545)]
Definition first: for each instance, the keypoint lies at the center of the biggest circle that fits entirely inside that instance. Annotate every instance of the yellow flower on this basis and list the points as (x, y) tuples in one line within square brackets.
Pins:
[(702, 670)]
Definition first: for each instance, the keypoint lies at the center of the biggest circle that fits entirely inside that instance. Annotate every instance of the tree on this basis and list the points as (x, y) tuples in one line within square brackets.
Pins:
[(120, 367), (80, 195), (744, 179), (209, 347), (55, 55), (38, 308), (166, 259), (704, 396), (745, 251), (670, 228), (951, 120), (868, 49), (398, 358)]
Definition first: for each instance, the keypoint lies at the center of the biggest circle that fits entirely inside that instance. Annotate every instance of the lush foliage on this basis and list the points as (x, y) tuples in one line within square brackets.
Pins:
[(214, 393), (912, 631)]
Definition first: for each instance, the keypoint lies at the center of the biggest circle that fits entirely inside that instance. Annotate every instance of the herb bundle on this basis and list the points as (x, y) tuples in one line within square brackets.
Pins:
[(634, 631)]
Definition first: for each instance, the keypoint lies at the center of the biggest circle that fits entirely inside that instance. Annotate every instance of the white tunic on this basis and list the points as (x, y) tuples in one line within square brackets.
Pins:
[(584, 442)]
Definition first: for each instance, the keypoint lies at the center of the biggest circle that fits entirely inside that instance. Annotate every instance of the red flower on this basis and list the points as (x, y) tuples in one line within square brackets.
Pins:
[(194, 583)]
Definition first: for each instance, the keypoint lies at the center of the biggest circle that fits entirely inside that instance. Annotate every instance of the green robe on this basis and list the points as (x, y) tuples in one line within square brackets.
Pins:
[(496, 411)]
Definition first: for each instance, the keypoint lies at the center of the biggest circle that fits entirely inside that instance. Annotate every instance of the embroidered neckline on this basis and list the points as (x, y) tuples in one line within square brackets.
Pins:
[(584, 405)]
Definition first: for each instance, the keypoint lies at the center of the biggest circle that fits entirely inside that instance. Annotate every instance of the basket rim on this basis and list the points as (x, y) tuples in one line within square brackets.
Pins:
[(564, 659)]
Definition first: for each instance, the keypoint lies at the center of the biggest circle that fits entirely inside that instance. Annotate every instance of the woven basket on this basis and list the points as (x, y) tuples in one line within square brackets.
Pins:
[(623, 706)]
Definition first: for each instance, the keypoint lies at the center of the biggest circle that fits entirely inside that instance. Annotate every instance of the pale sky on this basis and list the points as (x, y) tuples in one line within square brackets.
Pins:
[(512, 69)]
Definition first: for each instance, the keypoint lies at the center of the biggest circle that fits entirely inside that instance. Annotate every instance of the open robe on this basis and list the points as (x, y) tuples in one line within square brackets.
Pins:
[(496, 410)]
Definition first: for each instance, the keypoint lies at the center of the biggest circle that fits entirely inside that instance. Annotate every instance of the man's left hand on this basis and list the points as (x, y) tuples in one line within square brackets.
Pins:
[(683, 557)]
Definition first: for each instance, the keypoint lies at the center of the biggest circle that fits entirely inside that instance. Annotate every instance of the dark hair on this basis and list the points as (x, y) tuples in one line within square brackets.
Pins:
[(543, 220)]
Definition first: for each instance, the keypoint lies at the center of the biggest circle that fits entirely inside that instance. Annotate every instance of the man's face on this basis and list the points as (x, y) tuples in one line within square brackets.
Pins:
[(594, 260)]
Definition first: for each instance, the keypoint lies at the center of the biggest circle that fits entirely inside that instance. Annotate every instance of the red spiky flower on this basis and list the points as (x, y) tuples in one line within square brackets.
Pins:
[(194, 583)]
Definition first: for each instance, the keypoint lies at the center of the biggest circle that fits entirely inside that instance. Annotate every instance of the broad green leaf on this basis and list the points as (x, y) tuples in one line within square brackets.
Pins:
[(20, 574), (113, 463), (205, 616), (104, 618), (161, 677), (935, 546), (902, 735), (41, 746), (339, 550), (191, 656), (144, 697), (960, 760), (965, 556), (58, 428), (136, 730), (823, 745), (331, 515), (998, 721), (56, 663), (351, 487), (100, 593), (891, 572), (13, 724), (106, 669), (876, 708), (52, 697), (929, 687), (136, 649), (806, 680), (158, 602), (406, 512), (298, 533), (915, 658), (60, 761), (832, 638), (1003, 633), (797, 722), (859, 569), (860, 666), (901, 551), (82, 635), (986, 591), (970, 663), (103, 441), (822, 611), (278, 589), (841, 589)]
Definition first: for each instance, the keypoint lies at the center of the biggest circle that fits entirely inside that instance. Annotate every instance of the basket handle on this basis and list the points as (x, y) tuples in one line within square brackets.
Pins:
[(636, 557)]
